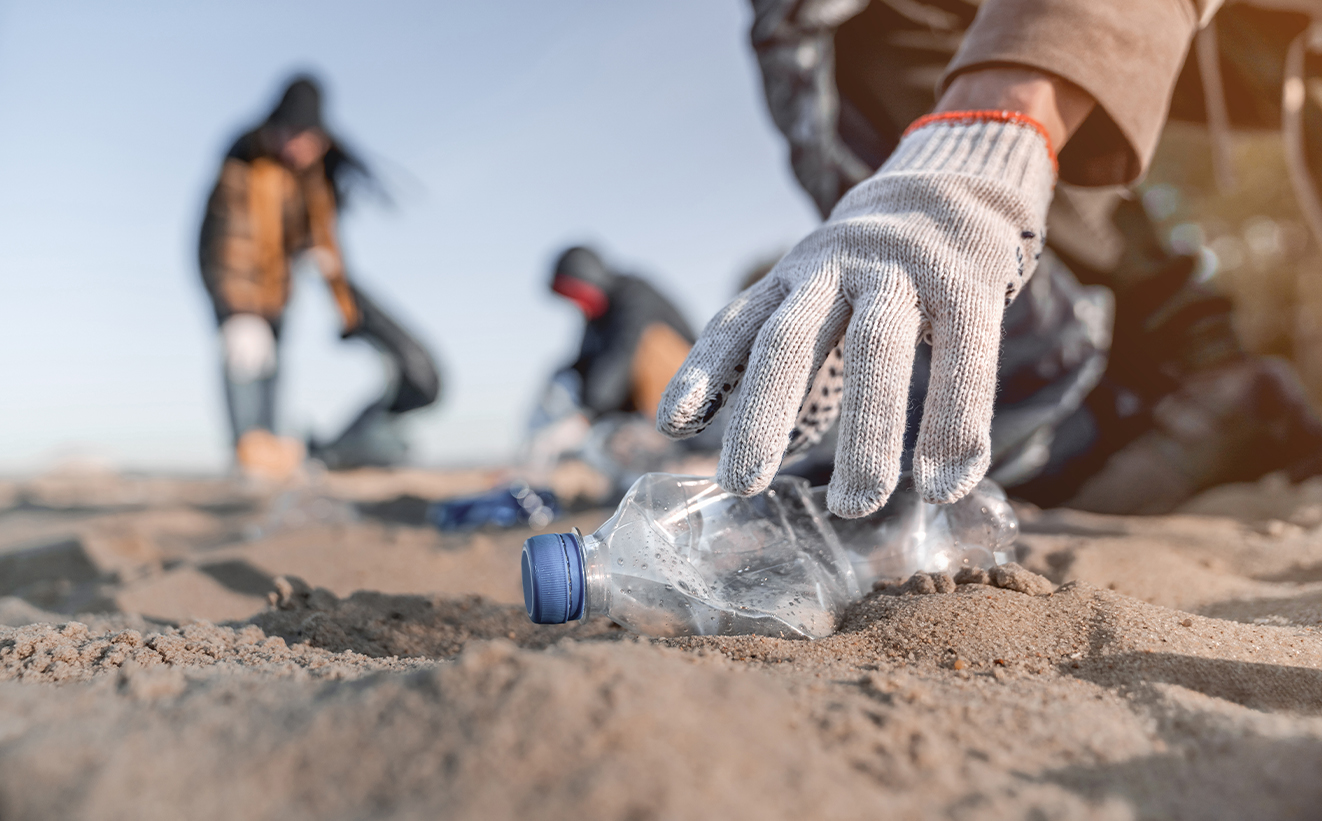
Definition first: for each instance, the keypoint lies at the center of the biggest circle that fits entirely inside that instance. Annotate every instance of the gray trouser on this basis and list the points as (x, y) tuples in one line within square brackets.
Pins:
[(251, 404)]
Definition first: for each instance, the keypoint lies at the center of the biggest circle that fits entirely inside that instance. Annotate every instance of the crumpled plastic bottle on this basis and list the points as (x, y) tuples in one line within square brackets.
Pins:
[(681, 556)]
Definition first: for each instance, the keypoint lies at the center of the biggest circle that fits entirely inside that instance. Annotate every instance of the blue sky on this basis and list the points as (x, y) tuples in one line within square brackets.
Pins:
[(506, 130)]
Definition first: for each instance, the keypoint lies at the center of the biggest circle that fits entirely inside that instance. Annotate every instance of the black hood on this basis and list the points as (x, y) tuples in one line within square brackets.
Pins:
[(299, 108), (584, 265)]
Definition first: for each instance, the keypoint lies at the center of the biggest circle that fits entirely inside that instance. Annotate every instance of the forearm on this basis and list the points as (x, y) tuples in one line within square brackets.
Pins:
[(1059, 105)]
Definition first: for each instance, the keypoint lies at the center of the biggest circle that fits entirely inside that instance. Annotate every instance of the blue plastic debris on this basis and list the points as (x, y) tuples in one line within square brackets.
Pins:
[(513, 505)]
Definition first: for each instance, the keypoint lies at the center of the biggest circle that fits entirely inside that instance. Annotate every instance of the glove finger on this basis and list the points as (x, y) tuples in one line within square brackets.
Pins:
[(714, 366), (786, 355), (879, 353), (954, 439)]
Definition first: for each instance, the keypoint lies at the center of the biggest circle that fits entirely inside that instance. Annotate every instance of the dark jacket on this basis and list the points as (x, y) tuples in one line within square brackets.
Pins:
[(607, 358)]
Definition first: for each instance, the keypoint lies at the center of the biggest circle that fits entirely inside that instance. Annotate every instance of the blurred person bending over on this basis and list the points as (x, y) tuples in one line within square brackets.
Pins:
[(913, 313), (280, 190), (601, 409), (634, 339)]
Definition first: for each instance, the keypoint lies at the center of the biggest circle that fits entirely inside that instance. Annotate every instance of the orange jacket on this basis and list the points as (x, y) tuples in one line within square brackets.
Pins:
[(259, 217)]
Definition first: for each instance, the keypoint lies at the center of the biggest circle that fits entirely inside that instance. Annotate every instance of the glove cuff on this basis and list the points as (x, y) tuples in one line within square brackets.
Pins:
[(1000, 145)]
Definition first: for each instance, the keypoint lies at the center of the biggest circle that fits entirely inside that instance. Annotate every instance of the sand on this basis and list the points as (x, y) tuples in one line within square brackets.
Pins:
[(181, 648)]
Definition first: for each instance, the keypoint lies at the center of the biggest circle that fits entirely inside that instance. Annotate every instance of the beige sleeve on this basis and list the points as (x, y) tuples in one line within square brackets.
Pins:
[(1125, 53)]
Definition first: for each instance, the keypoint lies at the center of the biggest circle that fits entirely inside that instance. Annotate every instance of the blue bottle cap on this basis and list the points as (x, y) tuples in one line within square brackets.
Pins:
[(553, 578)]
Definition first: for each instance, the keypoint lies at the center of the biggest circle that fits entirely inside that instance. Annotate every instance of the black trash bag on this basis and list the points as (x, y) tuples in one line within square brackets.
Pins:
[(374, 438)]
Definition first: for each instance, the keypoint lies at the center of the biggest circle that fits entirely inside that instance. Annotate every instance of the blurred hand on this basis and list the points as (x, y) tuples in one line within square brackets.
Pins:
[(351, 319), (249, 345), (332, 270), (934, 245)]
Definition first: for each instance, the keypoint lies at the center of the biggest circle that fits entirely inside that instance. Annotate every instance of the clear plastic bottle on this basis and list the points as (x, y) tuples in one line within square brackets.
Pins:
[(683, 557)]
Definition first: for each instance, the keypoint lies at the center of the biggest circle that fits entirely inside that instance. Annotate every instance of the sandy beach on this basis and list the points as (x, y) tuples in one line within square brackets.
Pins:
[(201, 648)]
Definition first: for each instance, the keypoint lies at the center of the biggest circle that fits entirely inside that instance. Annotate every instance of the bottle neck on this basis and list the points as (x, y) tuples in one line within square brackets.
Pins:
[(596, 570)]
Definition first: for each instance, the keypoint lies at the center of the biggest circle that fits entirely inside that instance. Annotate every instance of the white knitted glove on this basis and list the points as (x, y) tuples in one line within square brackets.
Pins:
[(249, 347), (935, 245)]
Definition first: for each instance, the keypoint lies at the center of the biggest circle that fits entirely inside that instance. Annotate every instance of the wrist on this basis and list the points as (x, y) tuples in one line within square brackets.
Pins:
[(1004, 147), (1058, 105)]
